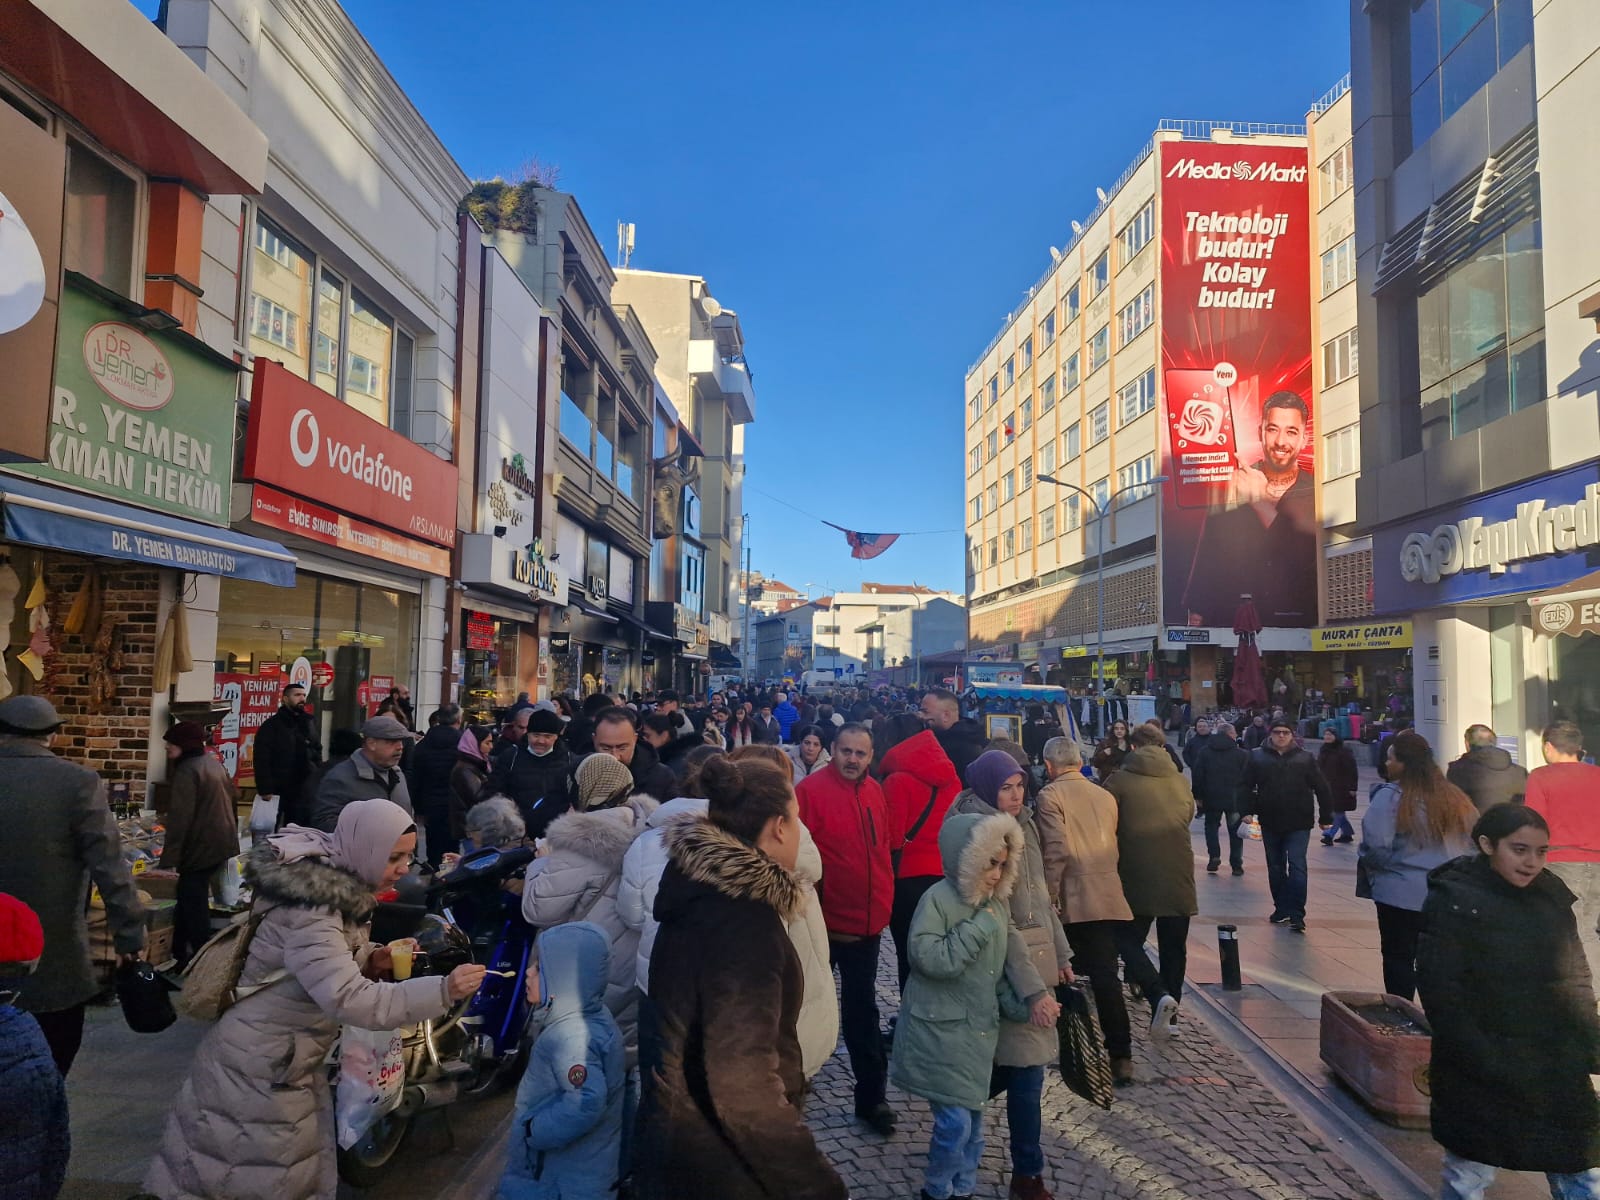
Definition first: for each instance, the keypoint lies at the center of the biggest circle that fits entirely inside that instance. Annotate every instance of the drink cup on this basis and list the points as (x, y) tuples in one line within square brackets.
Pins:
[(400, 957)]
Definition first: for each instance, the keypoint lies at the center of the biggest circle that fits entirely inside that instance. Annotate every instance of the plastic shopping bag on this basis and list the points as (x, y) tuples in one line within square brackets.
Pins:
[(230, 882), (372, 1074), (1252, 829), (264, 814)]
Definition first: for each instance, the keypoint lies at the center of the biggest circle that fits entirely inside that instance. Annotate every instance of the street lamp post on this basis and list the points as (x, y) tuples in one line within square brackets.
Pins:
[(1100, 512)]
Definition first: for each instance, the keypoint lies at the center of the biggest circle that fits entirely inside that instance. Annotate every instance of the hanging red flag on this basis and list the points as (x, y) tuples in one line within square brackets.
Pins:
[(865, 545), (1010, 433)]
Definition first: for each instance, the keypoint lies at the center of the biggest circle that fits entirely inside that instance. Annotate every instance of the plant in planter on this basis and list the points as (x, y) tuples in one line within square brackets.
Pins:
[(498, 206)]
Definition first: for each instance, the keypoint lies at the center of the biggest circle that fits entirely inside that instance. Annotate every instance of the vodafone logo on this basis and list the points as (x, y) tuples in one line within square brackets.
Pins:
[(304, 424)]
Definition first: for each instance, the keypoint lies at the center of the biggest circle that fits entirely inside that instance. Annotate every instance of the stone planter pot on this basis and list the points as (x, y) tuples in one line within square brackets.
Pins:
[(1380, 1047)]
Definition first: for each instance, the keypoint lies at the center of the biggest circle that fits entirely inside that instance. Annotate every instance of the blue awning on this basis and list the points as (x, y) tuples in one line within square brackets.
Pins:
[(41, 515)]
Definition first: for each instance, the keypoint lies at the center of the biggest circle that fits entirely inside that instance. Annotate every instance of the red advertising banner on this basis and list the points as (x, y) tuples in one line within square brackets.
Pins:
[(250, 700), (294, 515), (1239, 508), (305, 441)]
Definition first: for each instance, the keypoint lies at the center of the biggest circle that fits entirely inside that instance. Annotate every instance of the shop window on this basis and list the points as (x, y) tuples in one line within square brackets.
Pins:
[(490, 670), (100, 231)]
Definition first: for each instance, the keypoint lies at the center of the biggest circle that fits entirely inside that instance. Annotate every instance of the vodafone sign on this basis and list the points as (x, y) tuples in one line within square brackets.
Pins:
[(305, 441)]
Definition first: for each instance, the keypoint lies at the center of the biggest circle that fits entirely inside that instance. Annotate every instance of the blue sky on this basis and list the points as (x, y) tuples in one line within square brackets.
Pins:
[(872, 186)]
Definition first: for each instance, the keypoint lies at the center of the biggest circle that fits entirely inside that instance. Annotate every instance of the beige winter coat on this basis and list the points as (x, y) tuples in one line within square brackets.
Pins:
[(817, 1027), (1078, 839), (254, 1120)]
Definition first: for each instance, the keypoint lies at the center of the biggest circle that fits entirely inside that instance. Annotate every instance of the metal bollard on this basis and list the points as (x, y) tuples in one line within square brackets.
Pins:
[(1228, 953)]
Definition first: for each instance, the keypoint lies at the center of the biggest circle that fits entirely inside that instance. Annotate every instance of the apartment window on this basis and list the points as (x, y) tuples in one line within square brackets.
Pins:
[(1339, 266), (1099, 348), (1339, 359), (1100, 489), (1047, 457), (1047, 524), (1070, 377), (1027, 473), (977, 508), (1137, 233), (1027, 353), (1100, 274), (991, 445), (1133, 480), (100, 232), (1137, 398), (1336, 174), (1135, 318), (1047, 331), (1008, 485), (974, 460), (576, 426), (1099, 423), (1072, 512), (994, 390), (994, 551), (1009, 427), (1069, 306), (992, 493), (1047, 394), (1027, 534), (1027, 415), (1341, 452), (975, 409), (1070, 444), (1008, 373), (1455, 48), (1008, 544)]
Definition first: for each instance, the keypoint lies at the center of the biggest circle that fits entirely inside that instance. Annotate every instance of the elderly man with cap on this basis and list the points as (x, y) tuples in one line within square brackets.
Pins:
[(202, 833), (534, 769), (33, 1097), (1286, 790), (370, 773), (60, 835)]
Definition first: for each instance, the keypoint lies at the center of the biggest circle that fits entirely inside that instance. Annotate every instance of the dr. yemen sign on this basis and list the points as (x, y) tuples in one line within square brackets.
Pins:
[(142, 417)]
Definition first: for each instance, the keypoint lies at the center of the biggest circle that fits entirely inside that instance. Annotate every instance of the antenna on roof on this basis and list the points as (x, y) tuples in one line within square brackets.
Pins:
[(1077, 228), (1055, 254), (625, 232)]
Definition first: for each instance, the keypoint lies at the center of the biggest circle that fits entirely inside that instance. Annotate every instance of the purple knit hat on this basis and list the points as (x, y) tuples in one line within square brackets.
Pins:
[(988, 774)]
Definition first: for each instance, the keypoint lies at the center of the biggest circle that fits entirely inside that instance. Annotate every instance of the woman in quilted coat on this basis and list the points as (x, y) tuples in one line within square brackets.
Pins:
[(254, 1120)]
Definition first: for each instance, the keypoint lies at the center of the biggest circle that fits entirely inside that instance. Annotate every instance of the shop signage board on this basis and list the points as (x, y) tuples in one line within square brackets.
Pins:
[(480, 630), (1527, 538), (1237, 445), (291, 514), (145, 418), (307, 443), (1372, 635), (249, 701), (1572, 610), (321, 674), (512, 564), (1188, 637)]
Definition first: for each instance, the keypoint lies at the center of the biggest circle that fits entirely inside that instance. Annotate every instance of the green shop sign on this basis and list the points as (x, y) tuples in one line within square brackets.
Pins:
[(145, 417)]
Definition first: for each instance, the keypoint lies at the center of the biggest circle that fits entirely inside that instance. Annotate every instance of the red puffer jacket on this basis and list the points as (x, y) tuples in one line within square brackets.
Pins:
[(914, 772), (851, 825)]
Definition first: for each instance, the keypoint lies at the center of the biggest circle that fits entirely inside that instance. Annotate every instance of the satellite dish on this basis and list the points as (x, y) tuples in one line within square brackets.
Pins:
[(1055, 254), (1101, 192), (1077, 227), (21, 267), (713, 309)]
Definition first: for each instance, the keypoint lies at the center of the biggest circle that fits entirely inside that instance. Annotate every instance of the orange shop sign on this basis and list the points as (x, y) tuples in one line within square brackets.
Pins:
[(291, 514)]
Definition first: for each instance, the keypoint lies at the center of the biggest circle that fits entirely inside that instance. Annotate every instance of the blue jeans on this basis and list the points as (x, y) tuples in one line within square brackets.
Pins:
[(1464, 1179), (1235, 839), (1286, 871), (1341, 828), (1023, 1086), (954, 1151)]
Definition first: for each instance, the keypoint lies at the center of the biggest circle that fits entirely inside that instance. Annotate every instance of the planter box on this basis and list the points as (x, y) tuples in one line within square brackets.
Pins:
[(1380, 1047)]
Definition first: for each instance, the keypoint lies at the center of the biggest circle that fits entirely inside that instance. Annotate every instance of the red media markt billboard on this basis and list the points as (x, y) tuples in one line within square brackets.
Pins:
[(1239, 512)]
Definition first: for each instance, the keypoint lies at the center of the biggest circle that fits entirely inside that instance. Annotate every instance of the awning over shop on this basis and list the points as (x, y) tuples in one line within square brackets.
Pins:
[(1573, 609), (724, 658), (598, 614), (40, 515)]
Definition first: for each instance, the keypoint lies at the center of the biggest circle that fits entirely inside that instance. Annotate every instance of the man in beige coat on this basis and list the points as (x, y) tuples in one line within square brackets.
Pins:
[(1078, 838)]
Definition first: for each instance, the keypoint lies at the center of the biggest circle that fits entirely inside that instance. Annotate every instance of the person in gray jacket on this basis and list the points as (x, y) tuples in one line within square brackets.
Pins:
[(371, 773), (59, 835)]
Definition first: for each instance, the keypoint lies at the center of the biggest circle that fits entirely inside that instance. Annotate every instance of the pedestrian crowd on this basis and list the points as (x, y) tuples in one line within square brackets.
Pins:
[(704, 871)]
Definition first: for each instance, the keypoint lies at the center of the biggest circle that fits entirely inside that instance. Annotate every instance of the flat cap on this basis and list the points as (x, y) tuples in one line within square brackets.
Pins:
[(28, 714), (385, 729)]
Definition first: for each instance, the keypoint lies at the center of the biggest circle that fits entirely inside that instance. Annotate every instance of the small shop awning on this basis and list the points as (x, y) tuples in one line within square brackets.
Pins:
[(1573, 609), (724, 658), (598, 614), (40, 515)]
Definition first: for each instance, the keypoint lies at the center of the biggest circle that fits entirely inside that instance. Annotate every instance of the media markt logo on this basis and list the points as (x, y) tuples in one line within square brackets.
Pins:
[(1267, 172), (127, 366)]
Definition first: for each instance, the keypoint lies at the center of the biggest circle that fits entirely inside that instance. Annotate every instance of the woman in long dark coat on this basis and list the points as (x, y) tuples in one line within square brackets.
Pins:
[(1506, 987), (1344, 780)]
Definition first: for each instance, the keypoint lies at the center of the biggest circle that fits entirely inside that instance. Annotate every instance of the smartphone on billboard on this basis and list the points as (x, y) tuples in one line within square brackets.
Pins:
[(1201, 434)]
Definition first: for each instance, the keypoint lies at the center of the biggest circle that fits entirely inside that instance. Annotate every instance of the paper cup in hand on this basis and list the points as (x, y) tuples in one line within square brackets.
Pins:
[(400, 957)]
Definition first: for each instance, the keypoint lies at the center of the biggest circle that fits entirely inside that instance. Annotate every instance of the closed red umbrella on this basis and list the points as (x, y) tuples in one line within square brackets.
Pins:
[(1249, 684)]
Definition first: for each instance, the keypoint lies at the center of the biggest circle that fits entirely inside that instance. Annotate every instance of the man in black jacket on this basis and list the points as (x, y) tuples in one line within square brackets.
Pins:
[(960, 739), (429, 779), (616, 733), (287, 750), (1285, 789), (534, 769), (1217, 763), (1486, 773)]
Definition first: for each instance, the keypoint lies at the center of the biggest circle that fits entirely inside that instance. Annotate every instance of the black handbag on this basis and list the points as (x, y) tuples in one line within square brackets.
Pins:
[(916, 828), (1084, 1065), (144, 994)]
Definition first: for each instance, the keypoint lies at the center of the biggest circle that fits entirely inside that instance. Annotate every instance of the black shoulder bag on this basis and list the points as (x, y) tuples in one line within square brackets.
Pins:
[(911, 834)]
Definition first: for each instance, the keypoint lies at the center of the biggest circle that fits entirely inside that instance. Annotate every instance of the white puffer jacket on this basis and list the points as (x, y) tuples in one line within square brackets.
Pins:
[(818, 1024)]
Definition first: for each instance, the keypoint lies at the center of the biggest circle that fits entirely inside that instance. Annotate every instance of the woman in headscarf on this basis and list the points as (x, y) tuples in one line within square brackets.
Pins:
[(467, 776), (254, 1120)]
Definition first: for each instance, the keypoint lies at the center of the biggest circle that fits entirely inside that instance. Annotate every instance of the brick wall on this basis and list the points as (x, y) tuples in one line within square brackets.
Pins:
[(115, 743), (1349, 582)]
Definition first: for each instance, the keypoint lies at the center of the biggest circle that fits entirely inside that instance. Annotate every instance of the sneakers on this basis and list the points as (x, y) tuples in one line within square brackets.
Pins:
[(1279, 919), (1298, 924), (1028, 1187), (1213, 865), (1238, 870), (1327, 841), (1122, 1071), (880, 1118), (1164, 1021)]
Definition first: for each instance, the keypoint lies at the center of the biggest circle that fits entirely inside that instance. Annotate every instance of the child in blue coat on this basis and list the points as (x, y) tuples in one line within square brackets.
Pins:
[(566, 1136)]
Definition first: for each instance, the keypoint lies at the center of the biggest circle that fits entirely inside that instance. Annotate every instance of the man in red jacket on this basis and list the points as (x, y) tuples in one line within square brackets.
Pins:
[(845, 811), (1567, 795)]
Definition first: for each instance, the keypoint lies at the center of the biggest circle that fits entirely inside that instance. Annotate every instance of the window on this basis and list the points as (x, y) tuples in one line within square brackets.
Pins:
[(575, 425), (994, 390), (1069, 306), (100, 230), (279, 308), (1070, 443), (1336, 173), (994, 551), (1009, 427), (1135, 318), (1027, 353), (975, 409), (1099, 348), (1008, 373), (1137, 233), (1047, 457), (1133, 481), (1008, 544), (1455, 48), (992, 498), (1047, 394), (1027, 415), (1027, 473), (1100, 274), (977, 508), (1027, 534), (974, 460), (1339, 266), (1047, 524), (991, 444), (1069, 374), (1339, 359), (1137, 398), (1099, 423), (1008, 485), (371, 350), (1101, 491), (1341, 452), (1047, 331), (1072, 512)]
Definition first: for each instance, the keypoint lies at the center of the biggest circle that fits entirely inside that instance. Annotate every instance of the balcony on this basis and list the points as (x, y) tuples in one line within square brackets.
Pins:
[(732, 377)]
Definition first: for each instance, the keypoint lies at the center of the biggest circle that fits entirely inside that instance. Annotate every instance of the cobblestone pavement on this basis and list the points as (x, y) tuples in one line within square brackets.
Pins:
[(1198, 1122)]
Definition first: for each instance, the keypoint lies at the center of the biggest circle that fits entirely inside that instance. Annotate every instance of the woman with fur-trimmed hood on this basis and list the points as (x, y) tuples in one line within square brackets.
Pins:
[(579, 873), (254, 1120)]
